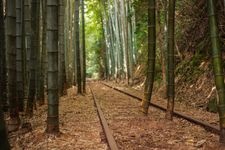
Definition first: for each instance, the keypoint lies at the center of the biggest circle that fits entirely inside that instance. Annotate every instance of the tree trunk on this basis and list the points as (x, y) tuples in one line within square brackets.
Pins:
[(162, 22), (19, 56), (104, 49), (165, 49), (4, 144), (77, 47), (66, 45), (33, 57), (38, 70), (11, 62), (170, 61), (43, 57), (26, 41), (52, 47), (62, 79), (128, 43), (83, 48), (151, 57), (3, 86), (217, 66)]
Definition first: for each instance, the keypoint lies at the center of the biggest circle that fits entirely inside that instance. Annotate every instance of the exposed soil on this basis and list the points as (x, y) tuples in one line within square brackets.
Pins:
[(180, 106), (80, 127), (132, 130)]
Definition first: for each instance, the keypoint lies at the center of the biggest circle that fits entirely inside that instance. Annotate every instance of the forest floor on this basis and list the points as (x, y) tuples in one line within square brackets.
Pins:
[(80, 127)]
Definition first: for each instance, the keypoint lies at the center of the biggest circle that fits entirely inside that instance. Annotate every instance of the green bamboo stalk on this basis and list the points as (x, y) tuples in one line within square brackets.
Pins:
[(217, 66), (83, 47), (165, 41), (60, 46), (170, 60), (120, 38), (11, 62), (72, 50), (64, 54), (23, 53), (4, 144), (38, 53), (108, 41), (126, 41), (115, 43), (33, 58), (77, 47), (19, 56), (43, 57), (125, 34), (66, 40), (112, 49), (122, 43), (26, 42), (129, 42), (104, 47), (62, 76), (133, 30), (151, 57), (3, 79), (65, 45), (61, 38), (68, 48), (117, 39), (73, 54), (44, 39), (52, 47)]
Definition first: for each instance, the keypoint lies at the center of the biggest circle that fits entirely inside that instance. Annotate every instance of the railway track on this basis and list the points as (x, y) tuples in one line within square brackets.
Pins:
[(110, 139), (207, 126)]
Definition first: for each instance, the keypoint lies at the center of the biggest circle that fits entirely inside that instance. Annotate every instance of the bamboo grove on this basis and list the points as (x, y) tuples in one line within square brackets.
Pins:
[(118, 18), (33, 60), (44, 50)]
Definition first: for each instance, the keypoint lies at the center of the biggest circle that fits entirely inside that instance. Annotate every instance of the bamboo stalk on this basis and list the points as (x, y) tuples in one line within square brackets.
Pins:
[(52, 47), (3, 71), (19, 54), (83, 47), (11, 60), (151, 56), (4, 144), (217, 66), (33, 58), (170, 61), (77, 46)]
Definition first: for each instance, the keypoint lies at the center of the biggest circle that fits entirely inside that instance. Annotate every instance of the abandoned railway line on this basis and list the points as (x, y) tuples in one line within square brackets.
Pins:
[(110, 139), (206, 125), (120, 118), (105, 118)]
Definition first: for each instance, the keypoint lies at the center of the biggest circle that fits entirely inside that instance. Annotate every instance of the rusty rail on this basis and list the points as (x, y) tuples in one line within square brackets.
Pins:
[(110, 139), (206, 125)]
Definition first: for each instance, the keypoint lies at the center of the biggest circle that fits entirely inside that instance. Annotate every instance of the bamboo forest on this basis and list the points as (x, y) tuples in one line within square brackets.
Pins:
[(112, 74)]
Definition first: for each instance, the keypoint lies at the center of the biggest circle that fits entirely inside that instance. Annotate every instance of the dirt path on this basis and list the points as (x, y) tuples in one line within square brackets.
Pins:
[(81, 129), (132, 130), (200, 114), (79, 125)]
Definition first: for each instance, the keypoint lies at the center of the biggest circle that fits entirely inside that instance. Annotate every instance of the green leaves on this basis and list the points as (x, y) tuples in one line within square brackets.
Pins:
[(93, 35)]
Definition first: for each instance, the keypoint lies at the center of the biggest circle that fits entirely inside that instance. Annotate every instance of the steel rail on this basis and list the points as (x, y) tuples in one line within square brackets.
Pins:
[(206, 125), (110, 139)]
